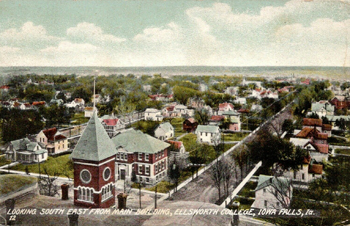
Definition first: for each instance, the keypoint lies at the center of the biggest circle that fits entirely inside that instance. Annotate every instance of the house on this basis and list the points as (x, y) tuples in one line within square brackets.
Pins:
[(58, 102), (170, 112), (189, 125), (25, 151), (225, 107), (178, 147), (256, 108), (39, 104), (308, 170), (273, 192), (196, 103), (322, 108), (164, 131), (77, 103), (203, 87), (232, 90), (241, 100), (313, 134), (53, 141), (182, 109), (4, 88), (312, 123), (88, 111), (340, 102), (216, 120), (147, 88), (112, 125), (142, 155), (208, 134), (153, 114)]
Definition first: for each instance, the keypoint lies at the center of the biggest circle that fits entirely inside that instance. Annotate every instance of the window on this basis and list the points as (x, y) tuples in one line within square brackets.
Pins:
[(147, 170), (277, 204), (86, 194), (85, 176), (107, 192), (106, 173), (264, 190), (156, 168), (140, 156), (140, 178), (163, 153), (156, 155), (117, 156), (265, 203), (42, 155), (295, 175), (303, 176), (147, 179), (147, 157), (140, 169)]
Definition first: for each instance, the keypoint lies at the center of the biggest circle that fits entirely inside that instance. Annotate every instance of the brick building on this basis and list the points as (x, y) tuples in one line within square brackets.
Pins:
[(94, 167)]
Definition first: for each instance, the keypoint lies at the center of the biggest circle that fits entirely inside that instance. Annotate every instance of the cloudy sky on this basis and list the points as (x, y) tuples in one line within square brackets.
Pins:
[(174, 32)]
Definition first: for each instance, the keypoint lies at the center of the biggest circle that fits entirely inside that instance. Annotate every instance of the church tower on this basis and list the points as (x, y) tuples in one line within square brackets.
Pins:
[(94, 167)]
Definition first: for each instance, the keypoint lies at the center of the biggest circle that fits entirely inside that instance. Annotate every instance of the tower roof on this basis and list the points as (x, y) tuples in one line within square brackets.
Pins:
[(94, 144)]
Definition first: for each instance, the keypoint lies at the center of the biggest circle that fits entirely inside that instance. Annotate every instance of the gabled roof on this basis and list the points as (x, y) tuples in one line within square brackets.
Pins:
[(177, 144), (312, 122), (224, 105), (207, 129), (166, 127), (265, 181), (136, 141), (191, 120), (319, 105), (327, 127), (94, 144), (152, 110), (53, 135), (20, 144), (315, 168), (217, 118)]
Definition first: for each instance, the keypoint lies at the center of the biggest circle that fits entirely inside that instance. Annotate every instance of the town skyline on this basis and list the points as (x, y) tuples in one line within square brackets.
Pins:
[(174, 33)]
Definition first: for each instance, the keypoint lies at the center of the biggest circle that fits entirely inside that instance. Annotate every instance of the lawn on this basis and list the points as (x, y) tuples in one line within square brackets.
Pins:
[(189, 140), (343, 151), (61, 165), (79, 118), (338, 141), (234, 136), (3, 161), (177, 124), (10, 182)]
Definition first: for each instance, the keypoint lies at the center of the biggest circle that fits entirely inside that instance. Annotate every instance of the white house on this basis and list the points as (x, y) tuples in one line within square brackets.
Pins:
[(241, 100), (26, 151), (273, 193), (153, 114), (88, 111), (164, 131), (208, 134), (112, 124), (322, 108), (181, 108)]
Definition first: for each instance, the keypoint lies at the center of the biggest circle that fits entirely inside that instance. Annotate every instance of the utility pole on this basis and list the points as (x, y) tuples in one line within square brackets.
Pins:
[(155, 199), (140, 194)]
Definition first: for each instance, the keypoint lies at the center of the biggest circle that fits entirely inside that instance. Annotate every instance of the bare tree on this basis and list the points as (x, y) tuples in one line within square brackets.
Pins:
[(282, 189), (46, 183), (126, 109), (217, 175), (227, 171), (241, 155)]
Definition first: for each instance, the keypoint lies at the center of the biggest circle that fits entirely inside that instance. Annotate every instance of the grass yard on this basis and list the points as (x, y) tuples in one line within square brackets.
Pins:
[(61, 165), (10, 182), (3, 161), (235, 136), (343, 151), (177, 124), (79, 118)]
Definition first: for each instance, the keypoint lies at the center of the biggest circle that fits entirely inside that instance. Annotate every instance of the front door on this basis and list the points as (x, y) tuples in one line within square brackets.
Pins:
[(122, 174)]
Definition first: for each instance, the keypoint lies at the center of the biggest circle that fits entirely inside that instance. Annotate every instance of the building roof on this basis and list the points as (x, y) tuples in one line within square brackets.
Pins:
[(191, 120), (177, 144), (334, 118), (318, 106), (278, 182), (207, 129), (20, 144), (322, 148), (111, 122), (224, 105), (234, 113), (53, 135), (94, 144), (315, 168), (299, 141), (136, 141), (217, 118), (152, 110), (307, 132), (312, 122), (165, 126), (327, 127)]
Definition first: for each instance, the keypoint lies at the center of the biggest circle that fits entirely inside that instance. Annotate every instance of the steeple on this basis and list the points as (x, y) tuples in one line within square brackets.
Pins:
[(94, 144)]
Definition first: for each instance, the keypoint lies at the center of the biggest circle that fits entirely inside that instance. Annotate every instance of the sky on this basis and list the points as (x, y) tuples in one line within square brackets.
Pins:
[(123, 33)]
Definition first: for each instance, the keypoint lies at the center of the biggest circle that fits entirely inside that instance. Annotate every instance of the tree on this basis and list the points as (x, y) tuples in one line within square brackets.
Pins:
[(46, 183), (126, 109), (281, 188), (288, 126), (201, 116), (174, 174), (240, 156), (217, 175)]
